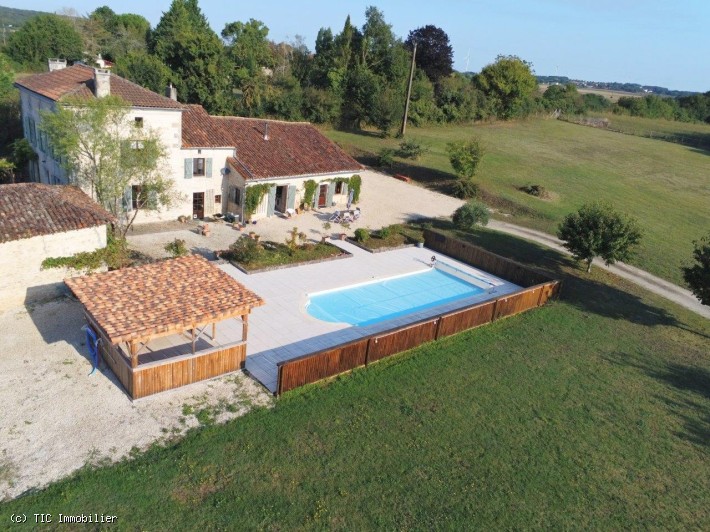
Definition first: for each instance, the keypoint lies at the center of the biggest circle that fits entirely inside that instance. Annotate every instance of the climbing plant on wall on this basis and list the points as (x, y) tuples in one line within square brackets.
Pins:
[(309, 192), (253, 196)]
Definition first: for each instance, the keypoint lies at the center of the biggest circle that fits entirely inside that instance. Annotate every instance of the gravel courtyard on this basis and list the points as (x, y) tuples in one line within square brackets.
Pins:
[(56, 417), (384, 201)]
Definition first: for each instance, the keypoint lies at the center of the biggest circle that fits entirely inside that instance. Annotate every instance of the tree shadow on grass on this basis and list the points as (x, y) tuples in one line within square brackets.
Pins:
[(693, 381)]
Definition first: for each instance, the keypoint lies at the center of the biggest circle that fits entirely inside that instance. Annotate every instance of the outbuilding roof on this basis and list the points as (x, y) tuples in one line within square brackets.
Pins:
[(266, 148), (78, 80), (161, 298), (34, 209)]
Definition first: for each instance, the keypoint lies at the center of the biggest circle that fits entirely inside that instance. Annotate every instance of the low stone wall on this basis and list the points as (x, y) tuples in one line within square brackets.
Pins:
[(22, 280)]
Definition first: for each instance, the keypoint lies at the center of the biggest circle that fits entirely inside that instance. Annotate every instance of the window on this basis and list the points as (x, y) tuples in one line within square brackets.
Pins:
[(218, 199), (338, 187), (138, 121), (237, 196), (198, 167), (138, 196)]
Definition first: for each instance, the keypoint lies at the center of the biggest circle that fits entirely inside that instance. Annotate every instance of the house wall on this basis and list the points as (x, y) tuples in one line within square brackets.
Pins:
[(235, 179), (21, 278), (46, 169), (211, 185), (167, 123)]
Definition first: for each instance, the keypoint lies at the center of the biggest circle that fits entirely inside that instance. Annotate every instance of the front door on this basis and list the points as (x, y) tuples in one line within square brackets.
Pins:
[(198, 205), (281, 193), (323, 196)]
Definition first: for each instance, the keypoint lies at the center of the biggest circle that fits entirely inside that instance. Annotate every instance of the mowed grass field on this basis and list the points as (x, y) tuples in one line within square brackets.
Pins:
[(666, 186), (592, 413)]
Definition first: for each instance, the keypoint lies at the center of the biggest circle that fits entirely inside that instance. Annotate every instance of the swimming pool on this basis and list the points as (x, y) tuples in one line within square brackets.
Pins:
[(377, 301)]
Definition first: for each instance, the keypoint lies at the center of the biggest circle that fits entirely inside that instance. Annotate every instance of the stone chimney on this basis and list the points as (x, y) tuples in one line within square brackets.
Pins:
[(57, 64), (171, 92), (102, 82)]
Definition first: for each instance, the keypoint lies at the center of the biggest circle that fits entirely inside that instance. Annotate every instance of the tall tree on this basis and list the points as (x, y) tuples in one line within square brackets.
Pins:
[(596, 230), (378, 41), (184, 41), (434, 53), (103, 152), (42, 37), (144, 69), (248, 48), (698, 275), (509, 85), (9, 108)]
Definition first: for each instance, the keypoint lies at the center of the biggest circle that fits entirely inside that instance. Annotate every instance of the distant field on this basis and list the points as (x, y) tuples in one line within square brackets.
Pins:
[(689, 134), (664, 185), (608, 94)]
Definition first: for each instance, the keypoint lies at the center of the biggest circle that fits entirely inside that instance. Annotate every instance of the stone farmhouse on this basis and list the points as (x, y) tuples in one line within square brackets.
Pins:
[(212, 159)]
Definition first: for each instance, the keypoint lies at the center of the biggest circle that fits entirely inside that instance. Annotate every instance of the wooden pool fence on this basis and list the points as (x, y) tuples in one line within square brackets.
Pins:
[(536, 289)]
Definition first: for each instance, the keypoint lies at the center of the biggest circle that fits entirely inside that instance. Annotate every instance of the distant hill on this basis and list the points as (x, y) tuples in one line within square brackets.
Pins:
[(9, 16), (614, 86)]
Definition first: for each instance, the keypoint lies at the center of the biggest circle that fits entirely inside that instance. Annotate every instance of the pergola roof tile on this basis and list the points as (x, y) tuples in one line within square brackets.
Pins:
[(161, 298)]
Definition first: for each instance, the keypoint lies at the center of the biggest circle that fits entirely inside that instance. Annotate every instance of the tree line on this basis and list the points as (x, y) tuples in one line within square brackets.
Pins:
[(355, 77)]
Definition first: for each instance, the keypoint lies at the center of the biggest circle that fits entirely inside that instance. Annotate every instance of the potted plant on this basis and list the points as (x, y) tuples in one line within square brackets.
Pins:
[(326, 227)]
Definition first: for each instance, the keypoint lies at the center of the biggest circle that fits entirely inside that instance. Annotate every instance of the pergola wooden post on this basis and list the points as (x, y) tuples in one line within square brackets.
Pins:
[(134, 354), (245, 326)]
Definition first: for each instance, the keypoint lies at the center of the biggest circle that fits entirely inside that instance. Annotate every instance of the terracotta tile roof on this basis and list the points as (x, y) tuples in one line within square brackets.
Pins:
[(33, 209), (78, 80), (161, 298), (293, 148)]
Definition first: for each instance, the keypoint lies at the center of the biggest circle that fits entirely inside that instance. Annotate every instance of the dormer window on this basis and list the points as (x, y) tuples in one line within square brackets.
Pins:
[(198, 167)]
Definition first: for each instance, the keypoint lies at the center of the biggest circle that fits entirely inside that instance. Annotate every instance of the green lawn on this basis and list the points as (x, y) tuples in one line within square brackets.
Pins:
[(592, 412), (664, 185)]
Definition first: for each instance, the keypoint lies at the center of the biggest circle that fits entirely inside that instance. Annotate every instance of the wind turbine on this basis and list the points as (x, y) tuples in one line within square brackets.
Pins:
[(468, 56)]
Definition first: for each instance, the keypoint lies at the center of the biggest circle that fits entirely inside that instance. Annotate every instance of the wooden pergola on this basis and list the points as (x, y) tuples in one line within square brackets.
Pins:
[(186, 297)]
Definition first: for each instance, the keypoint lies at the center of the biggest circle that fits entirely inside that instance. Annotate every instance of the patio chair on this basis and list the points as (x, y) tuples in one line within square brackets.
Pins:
[(336, 217), (346, 217), (356, 214)]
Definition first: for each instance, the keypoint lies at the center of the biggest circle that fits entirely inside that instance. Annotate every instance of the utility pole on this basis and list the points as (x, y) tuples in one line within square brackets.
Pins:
[(409, 92)]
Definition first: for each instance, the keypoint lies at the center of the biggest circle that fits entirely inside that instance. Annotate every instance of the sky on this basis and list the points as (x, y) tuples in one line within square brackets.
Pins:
[(649, 42)]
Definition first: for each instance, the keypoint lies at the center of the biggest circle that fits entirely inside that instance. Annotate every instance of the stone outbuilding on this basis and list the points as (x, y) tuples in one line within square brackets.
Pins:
[(39, 221)]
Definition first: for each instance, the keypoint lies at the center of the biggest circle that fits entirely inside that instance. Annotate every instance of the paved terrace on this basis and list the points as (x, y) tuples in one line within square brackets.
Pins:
[(282, 329)]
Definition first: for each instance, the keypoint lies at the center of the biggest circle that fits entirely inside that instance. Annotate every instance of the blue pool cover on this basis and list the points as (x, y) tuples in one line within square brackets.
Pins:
[(390, 298)]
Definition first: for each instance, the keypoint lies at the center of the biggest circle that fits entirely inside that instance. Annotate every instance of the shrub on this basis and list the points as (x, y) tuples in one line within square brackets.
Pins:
[(534, 190), (385, 232), (361, 235), (411, 149), (465, 188), (465, 156), (385, 158), (245, 250), (176, 248), (468, 216), (115, 256)]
